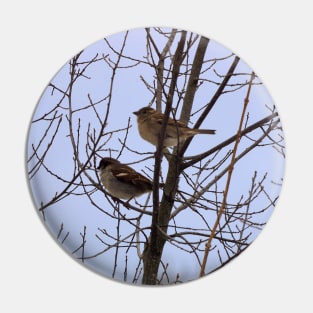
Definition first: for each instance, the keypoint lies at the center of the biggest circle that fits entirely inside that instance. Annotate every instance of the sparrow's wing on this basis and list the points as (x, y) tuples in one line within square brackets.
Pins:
[(171, 122), (129, 176), (174, 128), (174, 123)]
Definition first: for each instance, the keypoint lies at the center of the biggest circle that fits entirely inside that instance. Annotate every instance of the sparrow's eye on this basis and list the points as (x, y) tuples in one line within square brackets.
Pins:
[(103, 164), (146, 111)]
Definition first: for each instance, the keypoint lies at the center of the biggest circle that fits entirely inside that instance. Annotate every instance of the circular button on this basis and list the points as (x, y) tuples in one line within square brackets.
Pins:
[(155, 156)]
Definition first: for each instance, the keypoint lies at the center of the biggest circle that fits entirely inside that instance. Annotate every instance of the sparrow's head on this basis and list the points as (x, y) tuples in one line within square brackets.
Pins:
[(106, 162), (144, 112)]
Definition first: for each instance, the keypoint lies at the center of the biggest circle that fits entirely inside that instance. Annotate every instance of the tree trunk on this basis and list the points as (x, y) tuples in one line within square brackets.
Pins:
[(161, 212)]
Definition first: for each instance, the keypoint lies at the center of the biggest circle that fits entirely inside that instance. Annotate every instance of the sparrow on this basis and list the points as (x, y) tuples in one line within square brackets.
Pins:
[(121, 181), (150, 122)]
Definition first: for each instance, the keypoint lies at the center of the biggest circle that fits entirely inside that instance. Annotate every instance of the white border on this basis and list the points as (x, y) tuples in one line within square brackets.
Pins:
[(274, 38)]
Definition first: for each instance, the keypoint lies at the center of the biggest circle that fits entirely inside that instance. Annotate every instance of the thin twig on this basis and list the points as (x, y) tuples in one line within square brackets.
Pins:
[(230, 171)]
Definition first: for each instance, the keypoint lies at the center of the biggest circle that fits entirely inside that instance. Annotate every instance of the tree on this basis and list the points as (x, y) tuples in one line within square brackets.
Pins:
[(217, 195)]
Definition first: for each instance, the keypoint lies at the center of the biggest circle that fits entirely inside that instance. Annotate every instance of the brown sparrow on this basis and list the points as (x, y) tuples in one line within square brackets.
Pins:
[(121, 181), (149, 125)]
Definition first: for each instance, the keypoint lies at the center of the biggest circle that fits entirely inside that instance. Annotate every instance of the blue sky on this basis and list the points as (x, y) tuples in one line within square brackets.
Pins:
[(129, 94)]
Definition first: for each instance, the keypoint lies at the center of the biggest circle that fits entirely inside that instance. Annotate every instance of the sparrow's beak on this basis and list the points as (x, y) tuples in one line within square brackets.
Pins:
[(136, 113)]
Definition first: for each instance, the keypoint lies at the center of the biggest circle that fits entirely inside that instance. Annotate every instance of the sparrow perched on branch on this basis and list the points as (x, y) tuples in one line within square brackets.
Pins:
[(150, 122), (121, 181)]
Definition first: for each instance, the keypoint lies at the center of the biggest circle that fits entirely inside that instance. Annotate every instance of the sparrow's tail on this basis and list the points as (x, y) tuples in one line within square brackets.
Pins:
[(204, 131)]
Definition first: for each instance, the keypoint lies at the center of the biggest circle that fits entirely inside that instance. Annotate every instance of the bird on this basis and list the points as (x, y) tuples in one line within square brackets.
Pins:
[(149, 123), (122, 181)]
